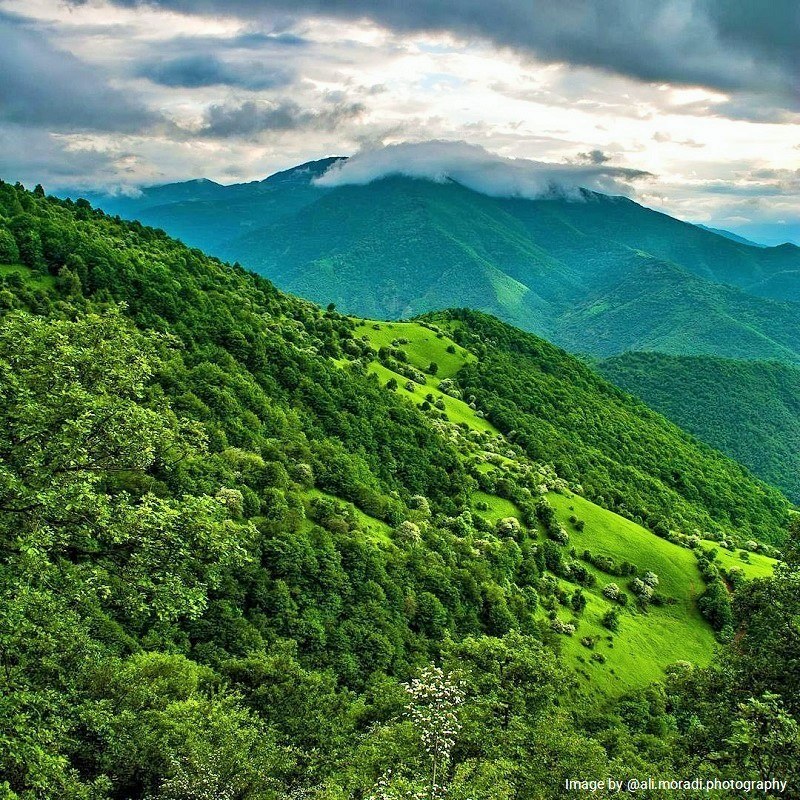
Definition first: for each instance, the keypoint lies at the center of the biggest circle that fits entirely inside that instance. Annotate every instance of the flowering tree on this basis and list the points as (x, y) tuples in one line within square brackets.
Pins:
[(434, 700)]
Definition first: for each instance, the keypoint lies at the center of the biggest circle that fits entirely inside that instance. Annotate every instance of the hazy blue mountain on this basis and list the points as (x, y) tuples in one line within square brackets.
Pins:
[(734, 237)]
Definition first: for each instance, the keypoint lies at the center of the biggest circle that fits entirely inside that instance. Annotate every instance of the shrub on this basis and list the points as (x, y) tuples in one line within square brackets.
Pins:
[(641, 590), (610, 619), (448, 386), (715, 605), (508, 526), (408, 532), (9, 252), (651, 579), (565, 628), (611, 591), (558, 534)]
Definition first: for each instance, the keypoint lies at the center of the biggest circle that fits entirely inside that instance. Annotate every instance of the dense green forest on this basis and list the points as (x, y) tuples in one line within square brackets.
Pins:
[(747, 409), (234, 563)]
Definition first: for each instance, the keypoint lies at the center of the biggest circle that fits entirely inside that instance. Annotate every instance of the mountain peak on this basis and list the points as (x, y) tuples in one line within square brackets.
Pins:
[(308, 169)]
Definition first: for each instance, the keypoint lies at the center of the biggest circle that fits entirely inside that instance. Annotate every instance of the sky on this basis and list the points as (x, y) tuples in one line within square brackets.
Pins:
[(690, 106)]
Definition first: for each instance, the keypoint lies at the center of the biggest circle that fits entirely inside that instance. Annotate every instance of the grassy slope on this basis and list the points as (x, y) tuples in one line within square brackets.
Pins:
[(645, 643), (377, 530), (35, 279), (757, 566)]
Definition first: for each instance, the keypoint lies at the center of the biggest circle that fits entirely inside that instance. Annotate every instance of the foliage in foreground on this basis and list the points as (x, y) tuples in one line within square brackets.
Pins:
[(178, 619)]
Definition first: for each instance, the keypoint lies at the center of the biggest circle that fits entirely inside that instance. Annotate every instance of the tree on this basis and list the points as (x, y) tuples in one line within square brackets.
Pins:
[(765, 741), (9, 252), (433, 708)]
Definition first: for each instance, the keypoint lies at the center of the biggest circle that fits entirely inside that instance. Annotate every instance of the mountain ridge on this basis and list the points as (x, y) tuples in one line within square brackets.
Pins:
[(398, 246)]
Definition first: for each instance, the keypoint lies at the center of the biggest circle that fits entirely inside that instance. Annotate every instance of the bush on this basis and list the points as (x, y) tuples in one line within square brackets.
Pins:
[(9, 252), (641, 590), (508, 526), (651, 579), (715, 605), (448, 386), (610, 619), (611, 591), (408, 533), (565, 628), (558, 534)]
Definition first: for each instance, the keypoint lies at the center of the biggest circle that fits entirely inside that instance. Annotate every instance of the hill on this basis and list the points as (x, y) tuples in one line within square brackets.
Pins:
[(241, 547), (747, 409), (398, 247)]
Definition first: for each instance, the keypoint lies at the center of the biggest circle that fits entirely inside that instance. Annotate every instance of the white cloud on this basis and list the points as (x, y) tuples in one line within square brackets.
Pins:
[(478, 169)]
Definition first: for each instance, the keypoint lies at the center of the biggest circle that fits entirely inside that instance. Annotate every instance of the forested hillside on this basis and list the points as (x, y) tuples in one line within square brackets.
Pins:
[(747, 409), (252, 549), (592, 273)]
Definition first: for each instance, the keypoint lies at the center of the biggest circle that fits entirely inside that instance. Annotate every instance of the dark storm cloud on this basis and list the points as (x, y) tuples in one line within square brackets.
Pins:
[(47, 87), (196, 70), (729, 45), (253, 117)]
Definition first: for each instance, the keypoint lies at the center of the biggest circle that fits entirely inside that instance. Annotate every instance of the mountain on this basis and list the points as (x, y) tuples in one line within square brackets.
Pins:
[(397, 247), (244, 541), (734, 237), (206, 214), (747, 409)]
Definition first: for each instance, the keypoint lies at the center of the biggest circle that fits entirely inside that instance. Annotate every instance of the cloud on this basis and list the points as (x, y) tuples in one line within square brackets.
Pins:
[(594, 157), (664, 138), (33, 156), (195, 71), (730, 45), (43, 86), (252, 117), (478, 169)]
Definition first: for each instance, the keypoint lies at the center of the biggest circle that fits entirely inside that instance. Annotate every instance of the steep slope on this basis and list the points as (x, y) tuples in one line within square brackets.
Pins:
[(747, 409), (402, 247), (660, 306), (206, 214), (703, 253), (227, 550), (562, 412), (734, 237)]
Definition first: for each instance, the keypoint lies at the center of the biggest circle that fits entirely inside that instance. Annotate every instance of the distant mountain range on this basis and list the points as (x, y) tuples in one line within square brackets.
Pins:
[(734, 237), (601, 276)]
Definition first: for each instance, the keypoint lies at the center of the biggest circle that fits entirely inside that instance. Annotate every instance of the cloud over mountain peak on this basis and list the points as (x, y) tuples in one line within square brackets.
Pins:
[(478, 169)]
